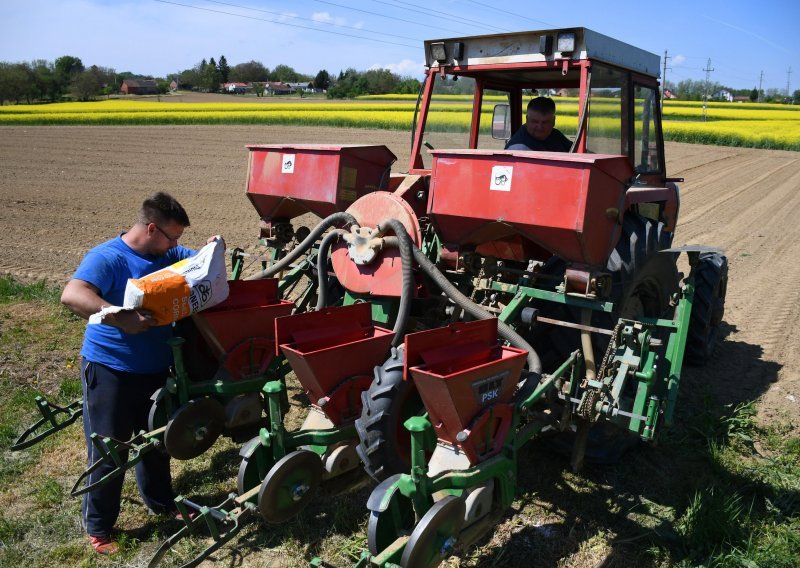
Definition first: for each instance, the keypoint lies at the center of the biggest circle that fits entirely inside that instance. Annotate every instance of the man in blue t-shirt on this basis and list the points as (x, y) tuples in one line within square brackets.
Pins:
[(126, 358), (538, 132)]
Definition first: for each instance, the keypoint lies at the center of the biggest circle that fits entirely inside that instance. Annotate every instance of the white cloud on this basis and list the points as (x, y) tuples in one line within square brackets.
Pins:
[(678, 60), (405, 68), (326, 18)]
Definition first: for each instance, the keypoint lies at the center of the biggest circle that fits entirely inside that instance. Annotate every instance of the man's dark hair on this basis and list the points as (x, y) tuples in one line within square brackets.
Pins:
[(542, 105), (161, 208)]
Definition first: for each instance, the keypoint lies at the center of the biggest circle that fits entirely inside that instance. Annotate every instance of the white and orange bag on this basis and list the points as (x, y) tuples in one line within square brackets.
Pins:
[(181, 289)]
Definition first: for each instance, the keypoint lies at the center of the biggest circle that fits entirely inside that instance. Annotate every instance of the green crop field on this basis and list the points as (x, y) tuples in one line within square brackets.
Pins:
[(726, 124)]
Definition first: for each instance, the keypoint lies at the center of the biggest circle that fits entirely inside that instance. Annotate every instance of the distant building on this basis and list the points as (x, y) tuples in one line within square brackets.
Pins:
[(173, 86), (741, 99), (237, 88), (723, 96), (276, 88), (669, 94), (139, 87), (304, 87)]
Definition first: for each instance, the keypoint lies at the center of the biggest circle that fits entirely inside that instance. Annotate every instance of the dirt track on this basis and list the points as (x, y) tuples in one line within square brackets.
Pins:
[(68, 188)]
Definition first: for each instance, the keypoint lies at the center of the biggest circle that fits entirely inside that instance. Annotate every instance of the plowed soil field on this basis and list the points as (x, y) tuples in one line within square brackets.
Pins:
[(64, 189)]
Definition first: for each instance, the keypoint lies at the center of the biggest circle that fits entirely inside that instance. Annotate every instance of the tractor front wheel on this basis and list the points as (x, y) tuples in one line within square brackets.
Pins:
[(710, 287)]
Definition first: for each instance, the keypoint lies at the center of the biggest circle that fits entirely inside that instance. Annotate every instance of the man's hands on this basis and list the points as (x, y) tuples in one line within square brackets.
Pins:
[(84, 299), (130, 321)]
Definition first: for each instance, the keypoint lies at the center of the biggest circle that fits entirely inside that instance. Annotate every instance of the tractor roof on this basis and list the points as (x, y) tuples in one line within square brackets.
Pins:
[(516, 49)]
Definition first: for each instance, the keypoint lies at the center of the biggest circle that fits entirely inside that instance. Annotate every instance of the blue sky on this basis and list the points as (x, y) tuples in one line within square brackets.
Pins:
[(742, 38)]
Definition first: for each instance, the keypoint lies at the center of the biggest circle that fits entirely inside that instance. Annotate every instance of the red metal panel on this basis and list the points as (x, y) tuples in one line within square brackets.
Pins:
[(333, 352), (242, 322), (562, 202), (288, 180), (466, 382)]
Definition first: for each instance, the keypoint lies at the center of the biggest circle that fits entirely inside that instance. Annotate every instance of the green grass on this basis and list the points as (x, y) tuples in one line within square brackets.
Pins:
[(720, 490)]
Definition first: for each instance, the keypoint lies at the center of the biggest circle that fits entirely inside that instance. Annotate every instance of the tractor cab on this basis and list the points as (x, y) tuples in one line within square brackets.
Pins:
[(606, 94)]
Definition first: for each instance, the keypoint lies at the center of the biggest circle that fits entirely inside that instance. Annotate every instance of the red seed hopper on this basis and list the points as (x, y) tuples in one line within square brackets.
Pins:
[(240, 332), (523, 205), (333, 352), (285, 181), (466, 381)]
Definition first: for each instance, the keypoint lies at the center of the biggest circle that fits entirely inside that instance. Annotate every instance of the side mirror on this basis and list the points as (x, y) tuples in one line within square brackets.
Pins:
[(501, 122)]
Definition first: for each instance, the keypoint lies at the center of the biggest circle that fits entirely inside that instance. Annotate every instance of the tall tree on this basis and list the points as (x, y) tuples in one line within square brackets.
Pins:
[(284, 74), (85, 86), (249, 72), (322, 80), (66, 68), (224, 69)]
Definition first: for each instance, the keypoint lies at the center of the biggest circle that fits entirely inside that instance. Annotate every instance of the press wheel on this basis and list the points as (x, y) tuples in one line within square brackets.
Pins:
[(249, 475), (396, 519), (289, 486), (194, 428), (434, 537)]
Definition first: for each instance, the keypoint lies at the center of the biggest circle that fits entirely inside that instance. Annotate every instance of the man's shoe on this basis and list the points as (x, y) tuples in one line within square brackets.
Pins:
[(104, 544), (179, 517)]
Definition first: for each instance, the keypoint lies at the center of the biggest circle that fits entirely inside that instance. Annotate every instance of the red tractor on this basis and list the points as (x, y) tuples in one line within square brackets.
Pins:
[(498, 294)]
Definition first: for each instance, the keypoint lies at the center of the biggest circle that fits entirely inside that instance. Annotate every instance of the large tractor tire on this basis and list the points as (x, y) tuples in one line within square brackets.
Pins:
[(641, 238), (384, 444), (711, 284)]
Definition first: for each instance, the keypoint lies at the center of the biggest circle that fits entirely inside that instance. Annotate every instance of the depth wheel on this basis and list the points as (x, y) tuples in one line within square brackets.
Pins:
[(384, 444), (194, 428), (395, 519), (435, 536), (289, 486), (708, 308), (250, 474)]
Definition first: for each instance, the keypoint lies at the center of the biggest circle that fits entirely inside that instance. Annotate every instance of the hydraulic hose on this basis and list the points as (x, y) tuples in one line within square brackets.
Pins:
[(322, 266), (334, 219), (403, 241), (473, 309)]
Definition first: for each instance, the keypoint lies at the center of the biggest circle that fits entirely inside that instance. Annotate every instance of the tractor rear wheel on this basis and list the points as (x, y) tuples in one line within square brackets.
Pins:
[(384, 444), (711, 284)]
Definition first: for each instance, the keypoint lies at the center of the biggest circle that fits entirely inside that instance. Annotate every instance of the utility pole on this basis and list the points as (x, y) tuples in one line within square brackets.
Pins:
[(664, 81), (788, 81), (760, 80), (708, 71)]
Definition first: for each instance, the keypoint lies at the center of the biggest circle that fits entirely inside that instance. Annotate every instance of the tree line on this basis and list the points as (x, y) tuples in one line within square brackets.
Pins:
[(67, 76), (689, 90)]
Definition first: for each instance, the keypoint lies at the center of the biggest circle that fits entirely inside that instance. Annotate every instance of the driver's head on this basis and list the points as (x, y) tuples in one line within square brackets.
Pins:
[(540, 117)]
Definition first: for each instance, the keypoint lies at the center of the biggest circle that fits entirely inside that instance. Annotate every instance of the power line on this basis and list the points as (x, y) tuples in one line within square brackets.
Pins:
[(387, 17), (416, 9), (510, 13), (310, 20), (285, 24)]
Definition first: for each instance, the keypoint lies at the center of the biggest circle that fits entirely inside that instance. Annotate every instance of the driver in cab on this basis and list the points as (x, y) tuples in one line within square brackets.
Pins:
[(539, 132)]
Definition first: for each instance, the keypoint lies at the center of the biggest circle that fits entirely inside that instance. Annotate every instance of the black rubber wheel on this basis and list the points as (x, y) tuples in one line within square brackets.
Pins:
[(640, 239), (159, 410), (708, 309), (434, 537), (384, 444), (250, 474)]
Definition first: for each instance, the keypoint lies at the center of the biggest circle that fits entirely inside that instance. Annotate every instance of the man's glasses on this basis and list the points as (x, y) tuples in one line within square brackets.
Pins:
[(169, 237)]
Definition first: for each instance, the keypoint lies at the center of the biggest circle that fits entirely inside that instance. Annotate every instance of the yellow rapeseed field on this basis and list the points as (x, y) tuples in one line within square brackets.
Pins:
[(765, 126)]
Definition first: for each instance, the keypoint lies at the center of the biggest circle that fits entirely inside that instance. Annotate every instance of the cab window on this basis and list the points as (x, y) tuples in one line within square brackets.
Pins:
[(646, 158)]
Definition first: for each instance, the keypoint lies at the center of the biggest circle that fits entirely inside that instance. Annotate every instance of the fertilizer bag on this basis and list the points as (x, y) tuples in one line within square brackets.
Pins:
[(181, 289)]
